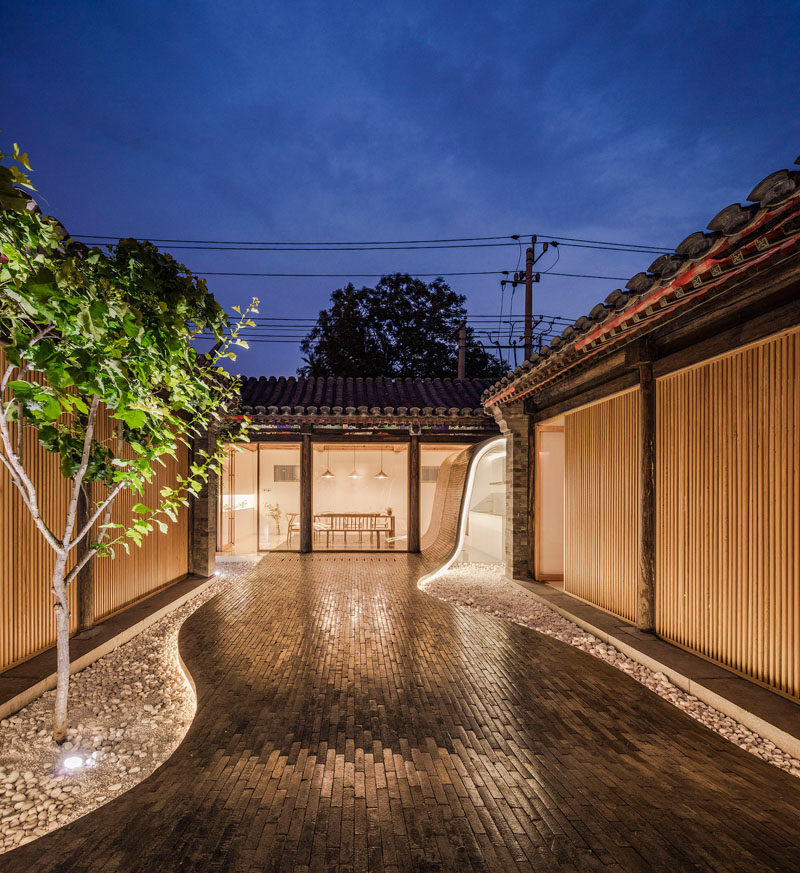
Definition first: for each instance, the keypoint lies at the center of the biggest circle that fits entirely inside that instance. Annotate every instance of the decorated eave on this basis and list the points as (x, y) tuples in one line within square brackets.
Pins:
[(364, 404), (760, 235)]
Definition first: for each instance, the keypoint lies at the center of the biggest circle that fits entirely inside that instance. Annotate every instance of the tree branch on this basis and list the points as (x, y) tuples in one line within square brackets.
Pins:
[(32, 507), (105, 505), (80, 473), (11, 457)]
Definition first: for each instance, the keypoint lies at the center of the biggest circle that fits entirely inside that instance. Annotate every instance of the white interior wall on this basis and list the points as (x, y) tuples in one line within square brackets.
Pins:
[(366, 493)]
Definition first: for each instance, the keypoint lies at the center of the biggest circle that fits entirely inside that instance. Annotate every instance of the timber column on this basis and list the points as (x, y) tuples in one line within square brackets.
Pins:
[(85, 578), (413, 494), (515, 425), (645, 606), (203, 516), (306, 497)]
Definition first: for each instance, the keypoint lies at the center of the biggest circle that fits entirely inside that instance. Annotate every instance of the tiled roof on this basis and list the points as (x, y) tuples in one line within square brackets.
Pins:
[(298, 396), (759, 234)]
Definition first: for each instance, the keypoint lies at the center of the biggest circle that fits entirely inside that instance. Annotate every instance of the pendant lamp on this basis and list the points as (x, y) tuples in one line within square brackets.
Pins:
[(354, 474), (327, 474), (380, 474)]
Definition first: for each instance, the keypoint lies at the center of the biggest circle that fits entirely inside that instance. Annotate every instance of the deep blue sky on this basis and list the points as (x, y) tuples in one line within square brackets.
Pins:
[(621, 121)]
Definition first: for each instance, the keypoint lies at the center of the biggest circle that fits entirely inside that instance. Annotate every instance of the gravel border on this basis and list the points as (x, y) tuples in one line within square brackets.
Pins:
[(129, 711), (485, 587)]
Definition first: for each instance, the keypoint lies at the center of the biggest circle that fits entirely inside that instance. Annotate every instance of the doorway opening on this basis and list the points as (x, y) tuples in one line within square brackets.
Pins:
[(549, 502), (360, 496)]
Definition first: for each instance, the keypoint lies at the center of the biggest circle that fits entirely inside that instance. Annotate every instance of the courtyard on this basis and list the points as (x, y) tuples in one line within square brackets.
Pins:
[(348, 720)]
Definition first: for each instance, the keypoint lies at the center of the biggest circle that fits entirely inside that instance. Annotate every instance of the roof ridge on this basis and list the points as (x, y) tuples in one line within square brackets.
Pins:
[(730, 229)]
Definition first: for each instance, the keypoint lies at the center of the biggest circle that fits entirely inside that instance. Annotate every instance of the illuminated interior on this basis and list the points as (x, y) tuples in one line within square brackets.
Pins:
[(481, 531), (259, 499), (485, 516), (431, 458), (360, 496)]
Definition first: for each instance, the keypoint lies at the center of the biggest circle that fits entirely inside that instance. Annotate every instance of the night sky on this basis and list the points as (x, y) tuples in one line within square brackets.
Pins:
[(632, 122)]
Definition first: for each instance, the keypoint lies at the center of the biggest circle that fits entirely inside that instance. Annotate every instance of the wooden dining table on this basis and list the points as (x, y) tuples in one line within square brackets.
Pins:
[(331, 523)]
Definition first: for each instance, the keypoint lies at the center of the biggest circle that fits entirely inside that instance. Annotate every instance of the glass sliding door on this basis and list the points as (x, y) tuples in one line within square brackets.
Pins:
[(224, 503), (360, 496), (278, 496), (259, 499), (237, 513)]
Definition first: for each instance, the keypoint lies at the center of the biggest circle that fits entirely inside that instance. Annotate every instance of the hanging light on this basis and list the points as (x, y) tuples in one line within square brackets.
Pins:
[(380, 474), (354, 474), (327, 474)]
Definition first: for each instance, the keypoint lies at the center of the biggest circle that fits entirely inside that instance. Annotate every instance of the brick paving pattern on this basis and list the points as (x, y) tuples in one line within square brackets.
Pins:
[(348, 721)]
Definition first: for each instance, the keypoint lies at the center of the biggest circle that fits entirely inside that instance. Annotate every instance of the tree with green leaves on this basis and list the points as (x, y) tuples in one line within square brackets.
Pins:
[(80, 330), (401, 327)]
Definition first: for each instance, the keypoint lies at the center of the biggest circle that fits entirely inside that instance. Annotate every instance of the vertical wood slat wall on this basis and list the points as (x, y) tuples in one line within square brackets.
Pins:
[(27, 622), (162, 559), (601, 494), (728, 480), (27, 619)]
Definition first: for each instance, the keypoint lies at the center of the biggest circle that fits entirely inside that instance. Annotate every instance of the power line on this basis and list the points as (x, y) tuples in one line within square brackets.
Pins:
[(400, 248), (380, 275), (513, 237)]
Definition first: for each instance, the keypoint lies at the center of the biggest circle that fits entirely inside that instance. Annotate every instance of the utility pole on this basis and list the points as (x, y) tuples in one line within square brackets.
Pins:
[(462, 350), (529, 299), (530, 260)]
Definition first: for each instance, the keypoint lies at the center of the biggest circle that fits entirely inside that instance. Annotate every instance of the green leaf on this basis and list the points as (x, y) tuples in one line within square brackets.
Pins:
[(134, 418), (22, 157), (51, 408), (21, 389), (141, 508)]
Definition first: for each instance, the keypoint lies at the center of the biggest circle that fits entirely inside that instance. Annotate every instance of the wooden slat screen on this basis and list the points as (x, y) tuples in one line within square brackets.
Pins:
[(728, 479), (27, 622), (162, 559), (601, 511)]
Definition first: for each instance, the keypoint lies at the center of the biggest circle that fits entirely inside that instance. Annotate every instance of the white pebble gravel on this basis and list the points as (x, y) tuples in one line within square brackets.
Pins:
[(484, 587), (128, 712)]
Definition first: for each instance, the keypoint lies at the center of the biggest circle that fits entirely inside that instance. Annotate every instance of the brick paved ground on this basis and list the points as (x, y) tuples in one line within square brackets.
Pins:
[(348, 721)]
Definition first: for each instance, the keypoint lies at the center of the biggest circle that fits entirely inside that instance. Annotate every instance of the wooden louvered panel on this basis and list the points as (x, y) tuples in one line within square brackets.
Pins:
[(27, 622), (162, 559), (728, 479), (601, 509)]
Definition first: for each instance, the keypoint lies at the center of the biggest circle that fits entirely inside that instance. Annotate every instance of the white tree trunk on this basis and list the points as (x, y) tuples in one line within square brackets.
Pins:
[(62, 650)]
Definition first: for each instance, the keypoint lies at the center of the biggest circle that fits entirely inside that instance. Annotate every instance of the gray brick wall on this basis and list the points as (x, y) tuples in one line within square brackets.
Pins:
[(203, 534), (514, 424)]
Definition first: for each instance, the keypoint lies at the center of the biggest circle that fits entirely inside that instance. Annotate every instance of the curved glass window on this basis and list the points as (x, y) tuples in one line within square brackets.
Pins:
[(484, 518)]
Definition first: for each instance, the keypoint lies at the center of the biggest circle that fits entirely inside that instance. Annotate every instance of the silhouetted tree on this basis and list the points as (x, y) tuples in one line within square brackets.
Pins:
[(401, 327)]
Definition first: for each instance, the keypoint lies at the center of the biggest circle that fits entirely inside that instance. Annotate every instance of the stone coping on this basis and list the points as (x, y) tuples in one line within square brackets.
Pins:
[(768, 714), (24, 683)]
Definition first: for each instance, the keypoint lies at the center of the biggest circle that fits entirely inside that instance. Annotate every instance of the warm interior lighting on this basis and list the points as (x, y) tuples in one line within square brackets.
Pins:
[(327, 474), (497, 446), (354, 474), (380, 474)]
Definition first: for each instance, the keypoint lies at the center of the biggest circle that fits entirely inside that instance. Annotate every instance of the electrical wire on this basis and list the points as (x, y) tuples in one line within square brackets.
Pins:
[(381, 275), (514, 237)]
